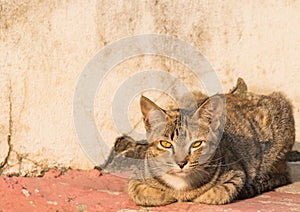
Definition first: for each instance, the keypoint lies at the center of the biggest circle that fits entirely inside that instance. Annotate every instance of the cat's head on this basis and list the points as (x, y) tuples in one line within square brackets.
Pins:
[(182, 139)]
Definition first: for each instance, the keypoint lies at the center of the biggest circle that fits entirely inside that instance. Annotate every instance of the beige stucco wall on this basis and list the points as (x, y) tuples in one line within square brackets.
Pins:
[(45, 45)]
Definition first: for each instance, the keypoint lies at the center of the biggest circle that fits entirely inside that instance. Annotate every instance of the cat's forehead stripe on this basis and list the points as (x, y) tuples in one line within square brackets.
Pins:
[(177, 126)]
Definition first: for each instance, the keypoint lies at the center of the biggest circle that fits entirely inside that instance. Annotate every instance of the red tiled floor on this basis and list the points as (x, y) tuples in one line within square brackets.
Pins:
[(91, 191)]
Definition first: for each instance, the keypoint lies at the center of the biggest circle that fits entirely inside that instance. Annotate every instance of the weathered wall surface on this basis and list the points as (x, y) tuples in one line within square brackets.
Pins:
[(46, 44)]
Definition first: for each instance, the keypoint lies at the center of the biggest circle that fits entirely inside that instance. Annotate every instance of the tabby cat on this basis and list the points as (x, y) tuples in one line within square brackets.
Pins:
[(196, 155)]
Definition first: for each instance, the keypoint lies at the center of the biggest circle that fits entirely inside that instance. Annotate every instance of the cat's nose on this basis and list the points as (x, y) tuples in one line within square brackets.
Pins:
[(181, 164)]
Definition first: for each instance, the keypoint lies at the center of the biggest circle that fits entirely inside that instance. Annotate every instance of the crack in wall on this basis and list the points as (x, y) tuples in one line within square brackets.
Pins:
[(10, 125), (13, 158)]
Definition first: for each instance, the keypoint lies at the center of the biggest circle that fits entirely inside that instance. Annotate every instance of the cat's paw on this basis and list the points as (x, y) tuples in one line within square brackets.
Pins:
[(144, 195), (226, 191), (212, 198)]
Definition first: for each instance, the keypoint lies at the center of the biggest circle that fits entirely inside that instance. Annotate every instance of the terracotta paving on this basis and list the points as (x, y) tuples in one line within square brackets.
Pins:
[(91, 191)]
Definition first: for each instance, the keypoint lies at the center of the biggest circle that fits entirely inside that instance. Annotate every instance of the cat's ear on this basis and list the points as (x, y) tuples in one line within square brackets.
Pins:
[(152, 114), (212, 112), (240, 88)]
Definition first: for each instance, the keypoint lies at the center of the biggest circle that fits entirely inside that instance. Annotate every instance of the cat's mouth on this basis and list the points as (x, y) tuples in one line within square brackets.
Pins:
[(179, 172)]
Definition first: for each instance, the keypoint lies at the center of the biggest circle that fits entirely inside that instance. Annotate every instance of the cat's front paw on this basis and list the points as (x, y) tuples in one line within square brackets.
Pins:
[(226, 191), (144, 195), (213, 199)]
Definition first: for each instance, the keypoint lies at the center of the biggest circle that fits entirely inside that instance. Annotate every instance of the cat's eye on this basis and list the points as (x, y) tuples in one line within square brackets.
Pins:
[(165, 144), (197, 143)]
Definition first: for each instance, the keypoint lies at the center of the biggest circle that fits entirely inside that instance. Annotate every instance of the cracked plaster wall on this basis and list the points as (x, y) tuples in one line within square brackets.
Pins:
[(46, 44)]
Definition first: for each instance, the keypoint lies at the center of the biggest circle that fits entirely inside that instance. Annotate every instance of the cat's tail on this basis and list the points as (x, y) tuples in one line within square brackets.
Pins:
[(294, 156)]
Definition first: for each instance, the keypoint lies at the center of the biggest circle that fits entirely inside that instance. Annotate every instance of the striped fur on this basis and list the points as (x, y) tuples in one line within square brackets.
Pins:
[(250, 157)]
